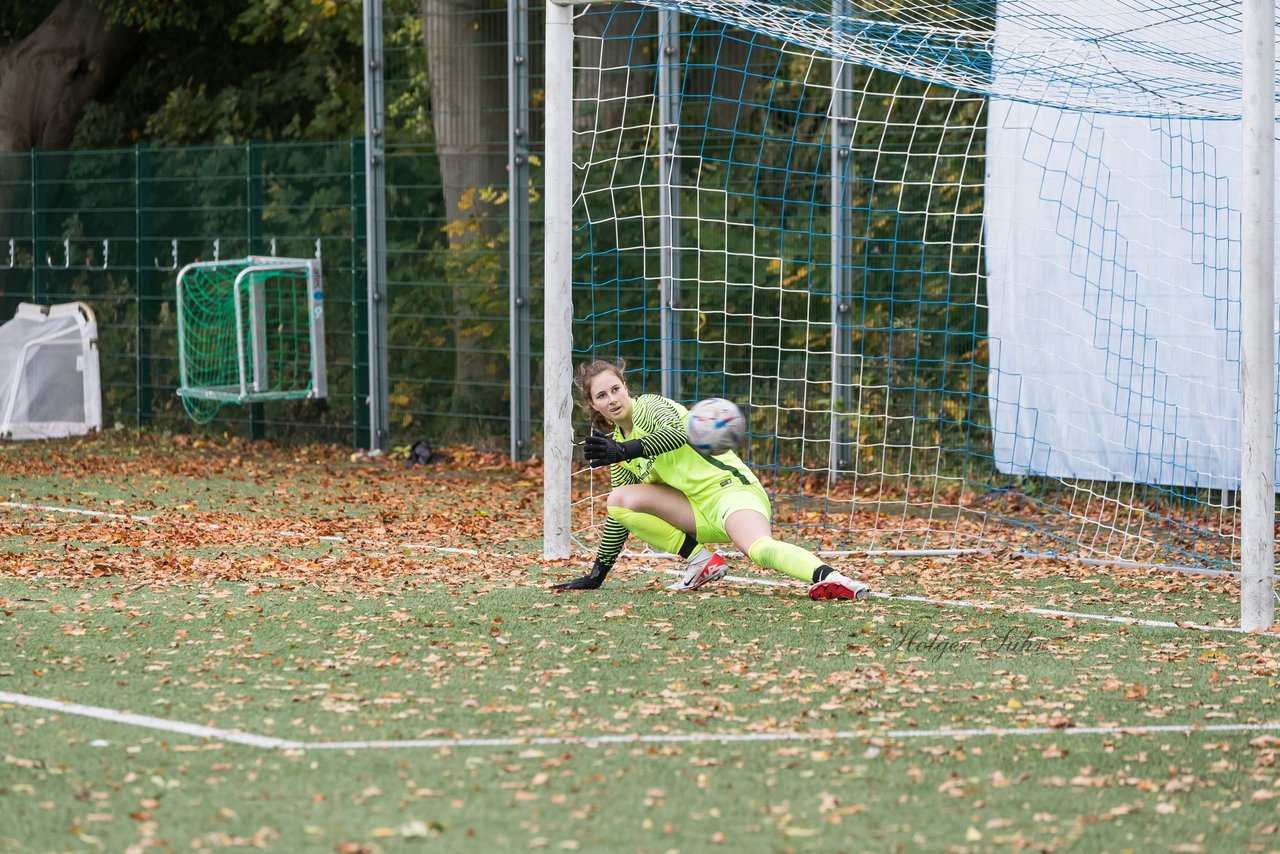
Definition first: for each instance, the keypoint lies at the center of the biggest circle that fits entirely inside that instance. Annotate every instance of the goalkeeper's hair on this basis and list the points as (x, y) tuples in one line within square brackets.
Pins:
[(586, 373)]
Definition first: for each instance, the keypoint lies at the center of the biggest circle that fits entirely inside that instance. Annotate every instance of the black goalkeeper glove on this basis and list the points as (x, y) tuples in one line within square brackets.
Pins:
[(602, 450), (590, 581)]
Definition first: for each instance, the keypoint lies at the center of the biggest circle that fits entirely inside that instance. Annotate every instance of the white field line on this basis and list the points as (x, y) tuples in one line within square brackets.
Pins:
[(1072, 615), (950, 603), (647, 555), (146, 721), (1011, 609), (232, 736)]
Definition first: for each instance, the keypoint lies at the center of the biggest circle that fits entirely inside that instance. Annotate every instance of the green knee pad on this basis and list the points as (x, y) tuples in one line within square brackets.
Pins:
[(784, 557)]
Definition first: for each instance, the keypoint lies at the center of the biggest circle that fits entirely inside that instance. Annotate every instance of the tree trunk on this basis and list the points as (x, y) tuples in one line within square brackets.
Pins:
[(47, 78), (467, 61)]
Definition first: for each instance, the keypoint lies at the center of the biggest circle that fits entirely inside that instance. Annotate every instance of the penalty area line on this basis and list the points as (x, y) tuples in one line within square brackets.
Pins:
[(232, 736), (950, 603), (993, 606), (148, 722)]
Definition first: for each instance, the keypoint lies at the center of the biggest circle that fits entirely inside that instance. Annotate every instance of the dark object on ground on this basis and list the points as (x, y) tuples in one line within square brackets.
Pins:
[(422, 454)]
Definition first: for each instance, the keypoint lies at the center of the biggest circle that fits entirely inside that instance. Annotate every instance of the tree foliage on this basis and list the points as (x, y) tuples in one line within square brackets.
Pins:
[(223, 72)]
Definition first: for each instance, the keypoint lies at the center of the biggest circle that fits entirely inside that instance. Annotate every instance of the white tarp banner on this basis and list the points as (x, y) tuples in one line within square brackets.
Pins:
[(1113, 255)]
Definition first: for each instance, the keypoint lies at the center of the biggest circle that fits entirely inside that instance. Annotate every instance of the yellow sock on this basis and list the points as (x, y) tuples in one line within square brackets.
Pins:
[(784, 557)]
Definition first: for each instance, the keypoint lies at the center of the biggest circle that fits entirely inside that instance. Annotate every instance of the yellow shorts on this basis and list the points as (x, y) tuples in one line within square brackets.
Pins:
[(710, 510)]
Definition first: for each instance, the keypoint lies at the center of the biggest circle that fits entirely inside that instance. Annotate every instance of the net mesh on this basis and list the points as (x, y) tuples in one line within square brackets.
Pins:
[(973, 278)]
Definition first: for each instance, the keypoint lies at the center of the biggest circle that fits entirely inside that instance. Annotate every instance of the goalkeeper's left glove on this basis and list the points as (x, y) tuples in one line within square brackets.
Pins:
[(602, 450), (590, 581)]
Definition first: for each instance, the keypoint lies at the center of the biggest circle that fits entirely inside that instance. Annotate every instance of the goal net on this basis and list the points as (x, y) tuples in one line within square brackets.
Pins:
[(972, 270), (249, 330)]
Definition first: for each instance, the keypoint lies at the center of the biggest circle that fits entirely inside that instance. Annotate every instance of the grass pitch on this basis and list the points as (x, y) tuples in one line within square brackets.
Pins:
[(387, 634)]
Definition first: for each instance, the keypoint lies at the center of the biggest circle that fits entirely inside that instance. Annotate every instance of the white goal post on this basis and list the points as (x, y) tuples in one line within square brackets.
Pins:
[(558, 270), (1258, 317)]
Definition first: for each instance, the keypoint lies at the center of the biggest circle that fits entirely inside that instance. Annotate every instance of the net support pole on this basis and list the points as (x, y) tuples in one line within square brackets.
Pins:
[(842, 109), (375, 224), (557, 378), (256, 195), (145, 278), (518, 250), (1258, 320), (669, 201), (38, 270)]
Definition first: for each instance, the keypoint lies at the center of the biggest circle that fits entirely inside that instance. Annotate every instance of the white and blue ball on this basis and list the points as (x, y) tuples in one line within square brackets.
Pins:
[(715, 425)]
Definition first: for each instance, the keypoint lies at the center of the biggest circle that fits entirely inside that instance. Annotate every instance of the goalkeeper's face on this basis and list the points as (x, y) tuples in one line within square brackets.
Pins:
[(609, 397)]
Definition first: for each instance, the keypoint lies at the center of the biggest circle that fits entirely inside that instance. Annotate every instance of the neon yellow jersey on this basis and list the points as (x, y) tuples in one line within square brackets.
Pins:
[(661, 423)]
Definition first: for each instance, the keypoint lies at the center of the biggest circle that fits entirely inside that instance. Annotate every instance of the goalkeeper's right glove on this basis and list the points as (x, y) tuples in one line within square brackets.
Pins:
[(601, 449), (590, 581)]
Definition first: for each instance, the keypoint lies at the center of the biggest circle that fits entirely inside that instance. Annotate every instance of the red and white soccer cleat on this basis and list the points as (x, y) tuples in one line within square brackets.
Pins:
[(704, 566), (837, 586)]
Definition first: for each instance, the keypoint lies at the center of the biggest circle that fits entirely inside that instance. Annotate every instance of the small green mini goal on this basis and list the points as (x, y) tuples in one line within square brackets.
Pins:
[(249, 330)]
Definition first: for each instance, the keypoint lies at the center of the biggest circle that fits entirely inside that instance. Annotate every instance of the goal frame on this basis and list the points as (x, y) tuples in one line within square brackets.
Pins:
[(1257, 387), (252, 385)]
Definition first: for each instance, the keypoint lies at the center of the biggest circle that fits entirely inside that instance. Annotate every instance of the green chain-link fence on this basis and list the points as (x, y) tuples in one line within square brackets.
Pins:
[(111, 228)]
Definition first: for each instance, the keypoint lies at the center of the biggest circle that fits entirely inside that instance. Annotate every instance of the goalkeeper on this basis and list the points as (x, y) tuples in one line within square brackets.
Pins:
[(677, 499)]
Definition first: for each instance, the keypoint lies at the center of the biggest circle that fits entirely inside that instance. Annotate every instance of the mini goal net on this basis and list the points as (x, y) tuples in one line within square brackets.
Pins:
[(249, 330), (972, 270)]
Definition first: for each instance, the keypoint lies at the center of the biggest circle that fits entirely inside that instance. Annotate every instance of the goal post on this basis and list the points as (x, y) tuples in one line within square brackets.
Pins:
[(250, 330), (977, 282), (1258, 317), (558, 282)]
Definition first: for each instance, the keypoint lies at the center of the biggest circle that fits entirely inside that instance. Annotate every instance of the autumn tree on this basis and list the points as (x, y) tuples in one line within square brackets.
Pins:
[(105, 73), (466, 56), (47, 78)]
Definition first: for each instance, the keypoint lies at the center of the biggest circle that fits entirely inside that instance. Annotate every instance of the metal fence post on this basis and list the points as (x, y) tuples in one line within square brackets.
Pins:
[(144, 282), (376, 224), (518, 249), (842, 374), (38, 266), (359, 300), (669, 200), (255, 195)]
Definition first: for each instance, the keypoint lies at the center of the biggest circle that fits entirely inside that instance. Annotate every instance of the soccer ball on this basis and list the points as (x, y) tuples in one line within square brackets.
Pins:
[(715, 425)]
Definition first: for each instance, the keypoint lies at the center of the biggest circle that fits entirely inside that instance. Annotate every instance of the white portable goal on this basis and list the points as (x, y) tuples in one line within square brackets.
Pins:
[(983, 276), (50, 386)]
